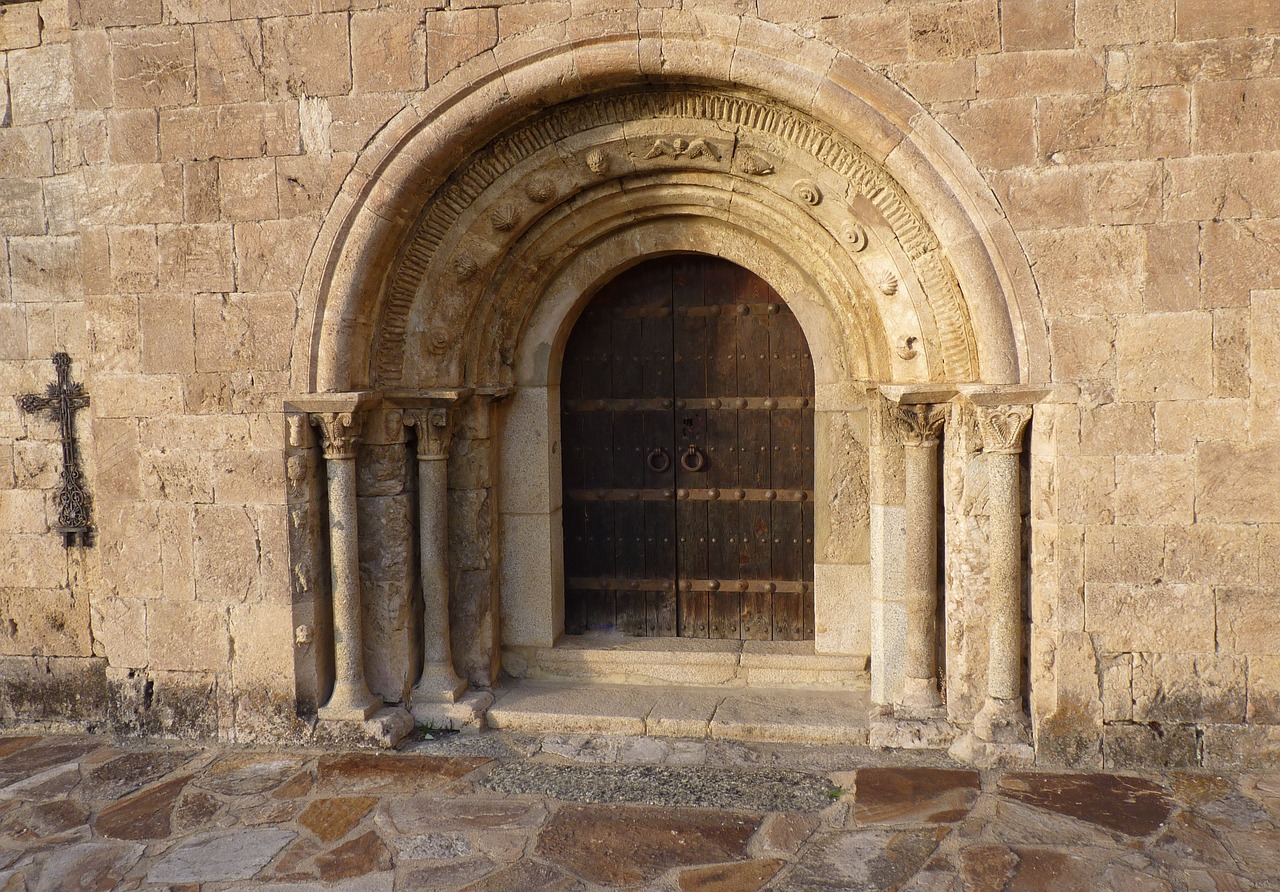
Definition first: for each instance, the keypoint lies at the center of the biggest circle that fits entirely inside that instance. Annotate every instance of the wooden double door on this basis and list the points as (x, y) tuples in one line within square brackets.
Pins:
[(687, 432)]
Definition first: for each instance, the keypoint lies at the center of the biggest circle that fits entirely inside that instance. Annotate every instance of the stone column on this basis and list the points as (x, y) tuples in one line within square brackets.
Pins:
[(351, 699), (439, 682), (1002, 718), (920, 427)]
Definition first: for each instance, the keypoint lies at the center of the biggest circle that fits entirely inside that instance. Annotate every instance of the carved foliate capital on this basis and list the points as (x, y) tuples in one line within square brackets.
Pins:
[(1001, 427), (919, 424), (341, 432), (435, 430)]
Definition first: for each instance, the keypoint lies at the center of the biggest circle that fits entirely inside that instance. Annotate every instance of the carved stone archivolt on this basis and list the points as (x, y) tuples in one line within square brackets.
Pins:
[(500, 196)]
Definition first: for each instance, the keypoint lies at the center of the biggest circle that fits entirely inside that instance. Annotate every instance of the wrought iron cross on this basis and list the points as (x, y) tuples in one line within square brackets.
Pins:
[(61, 401)]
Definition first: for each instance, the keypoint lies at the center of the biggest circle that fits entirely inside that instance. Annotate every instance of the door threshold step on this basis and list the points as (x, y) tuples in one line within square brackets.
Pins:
[(774, 715), (618, 659)]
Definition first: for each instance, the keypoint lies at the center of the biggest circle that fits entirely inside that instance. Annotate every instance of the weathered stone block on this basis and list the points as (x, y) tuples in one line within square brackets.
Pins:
[(153, 67), (134, 258), (1235, 484), (1240, 629), (1109, 22), (1124, 554), (1118, 429), (1117, 687), (997, 134), (1155, 489), (269, 255), (388, 51), (1235, 116), (1264, 689), (227, 550), (1162, 618), (196, 258), (1048, 73), (19, 27), (229, 61), (133, 136), (25, 151), (167, 328), (243, 331), (43, 621), (120, 631), (40, 84), (950, 80), (263, 659), (248, 477), (189, 637), (245, 130), (1115, 126), (64, 689), (1127, 745), (1037, 24), (123, 195), (1090, 271), (45, 269), (306, 56), (115, 444), (457, 35), (1188, 688), (1165, 356), (114, 13), (949, 30), (1212, 554), (1204, 19), (247, 189)]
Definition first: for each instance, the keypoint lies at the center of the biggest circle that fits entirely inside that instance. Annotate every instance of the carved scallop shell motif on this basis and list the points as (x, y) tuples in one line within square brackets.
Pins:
[(597, 161), (505, 217), (754, 165), (888, 285), (464, 267), (854, 235), (807, 191), (540, 190)]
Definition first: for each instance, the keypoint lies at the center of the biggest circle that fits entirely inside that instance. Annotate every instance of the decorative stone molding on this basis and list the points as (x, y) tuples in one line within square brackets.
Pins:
[(484, 180), (1001, 428), (920, 424), (341, 433), (435, 430)]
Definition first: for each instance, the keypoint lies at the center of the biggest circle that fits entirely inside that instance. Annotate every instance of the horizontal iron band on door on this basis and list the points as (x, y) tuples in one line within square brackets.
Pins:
[(731, 586), (767, 309), (657, 405), (691, 495)]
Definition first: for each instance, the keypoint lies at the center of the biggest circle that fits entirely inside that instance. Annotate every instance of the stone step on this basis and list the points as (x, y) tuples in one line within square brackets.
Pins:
[(684, 661), (781, 715)]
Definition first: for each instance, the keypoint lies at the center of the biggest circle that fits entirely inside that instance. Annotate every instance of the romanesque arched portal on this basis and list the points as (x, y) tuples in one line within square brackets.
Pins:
[(477, 226)]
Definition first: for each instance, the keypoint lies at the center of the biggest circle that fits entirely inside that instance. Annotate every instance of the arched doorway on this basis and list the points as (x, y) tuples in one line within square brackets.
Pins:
[(687, 464)]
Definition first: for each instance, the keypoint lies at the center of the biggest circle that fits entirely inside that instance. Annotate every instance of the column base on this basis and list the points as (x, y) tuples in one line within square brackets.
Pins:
[(467, 714), (1002, 721), (438, 684), (969, 750), (349, 706), (919, 695), (895, 728)]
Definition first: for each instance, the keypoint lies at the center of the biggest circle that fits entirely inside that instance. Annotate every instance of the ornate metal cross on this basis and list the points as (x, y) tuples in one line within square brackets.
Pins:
[(61, 401)]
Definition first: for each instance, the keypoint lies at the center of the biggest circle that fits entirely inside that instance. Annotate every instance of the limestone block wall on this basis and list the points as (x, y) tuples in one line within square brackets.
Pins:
[(165, 168)]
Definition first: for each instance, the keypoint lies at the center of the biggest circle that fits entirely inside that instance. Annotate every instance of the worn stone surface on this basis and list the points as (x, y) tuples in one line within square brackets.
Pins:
[(913, 796), (630, 845), (1128, 805)]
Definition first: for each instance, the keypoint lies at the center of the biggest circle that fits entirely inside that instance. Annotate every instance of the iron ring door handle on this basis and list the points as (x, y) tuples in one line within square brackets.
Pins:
[(658, 460), (693, 460)]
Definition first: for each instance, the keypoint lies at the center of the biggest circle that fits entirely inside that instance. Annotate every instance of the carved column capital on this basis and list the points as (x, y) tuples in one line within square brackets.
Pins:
[(435, 430), (918, 424), (341, 432), (1001, 428)]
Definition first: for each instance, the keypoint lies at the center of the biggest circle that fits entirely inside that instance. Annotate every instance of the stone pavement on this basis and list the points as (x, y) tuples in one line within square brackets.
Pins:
[(506, 811)]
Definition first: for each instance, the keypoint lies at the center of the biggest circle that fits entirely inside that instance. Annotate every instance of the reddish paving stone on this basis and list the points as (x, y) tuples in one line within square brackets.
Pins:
[(247, 775), (1038, 870), (10, 745), (413, 814), (145, 815), (618, 845), (447, 876), (38, 756), (914, 795), (1130, 805), (44, 819), (88, 867), (527, 876), (196, 810), (784, 834), (272, 811), (130, 771), (987, 867), (743, 877), (332, 819), (1257, 851), (297, 862), (295, 787), (378, 773), (863, 859), (1191, 841), (362, 855)]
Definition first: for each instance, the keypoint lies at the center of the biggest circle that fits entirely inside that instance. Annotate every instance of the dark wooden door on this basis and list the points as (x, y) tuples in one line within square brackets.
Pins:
[(687, 432)]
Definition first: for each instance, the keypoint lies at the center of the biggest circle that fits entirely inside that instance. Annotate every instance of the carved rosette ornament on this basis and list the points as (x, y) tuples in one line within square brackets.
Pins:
[(919, 425), (1001, 427), (341, 433), (434, 432)]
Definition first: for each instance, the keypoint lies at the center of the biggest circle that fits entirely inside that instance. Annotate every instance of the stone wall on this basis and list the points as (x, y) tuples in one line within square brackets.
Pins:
[(165, 168)]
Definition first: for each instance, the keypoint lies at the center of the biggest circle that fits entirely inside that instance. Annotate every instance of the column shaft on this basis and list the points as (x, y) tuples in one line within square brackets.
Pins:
[(351, 699), (920, 576), (1004, 658)]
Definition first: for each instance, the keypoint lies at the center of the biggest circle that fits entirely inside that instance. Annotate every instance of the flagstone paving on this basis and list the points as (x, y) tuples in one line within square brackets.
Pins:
[(509, 812)]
